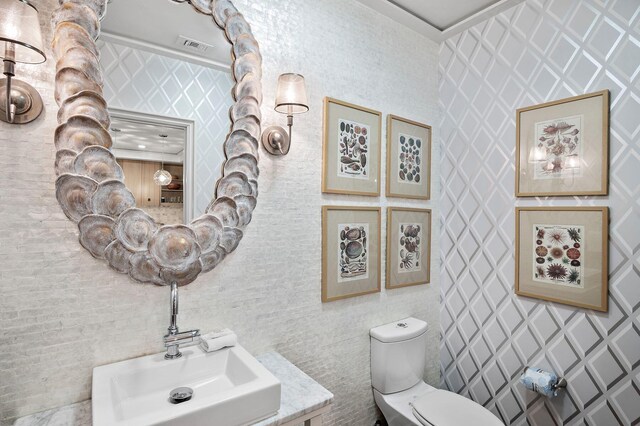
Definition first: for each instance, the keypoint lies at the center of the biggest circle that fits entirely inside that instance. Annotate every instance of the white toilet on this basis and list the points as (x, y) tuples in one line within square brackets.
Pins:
[(398, 352)]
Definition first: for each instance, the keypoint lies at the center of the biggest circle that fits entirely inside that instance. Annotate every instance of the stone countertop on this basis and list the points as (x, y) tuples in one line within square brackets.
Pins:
[(300, 395), (71, 415)]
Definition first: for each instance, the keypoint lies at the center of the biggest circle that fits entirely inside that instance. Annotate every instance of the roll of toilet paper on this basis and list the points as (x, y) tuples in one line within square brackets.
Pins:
[(538, 380)]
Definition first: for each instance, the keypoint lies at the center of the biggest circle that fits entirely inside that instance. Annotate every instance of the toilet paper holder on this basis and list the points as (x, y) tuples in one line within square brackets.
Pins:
[(543, 382), (561, 383)]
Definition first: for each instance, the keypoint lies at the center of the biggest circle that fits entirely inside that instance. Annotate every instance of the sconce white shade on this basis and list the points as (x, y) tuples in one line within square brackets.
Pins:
[(291, 97), (20, 36)]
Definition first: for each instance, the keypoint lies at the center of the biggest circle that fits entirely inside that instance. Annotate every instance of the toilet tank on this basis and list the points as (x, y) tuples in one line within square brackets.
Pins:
[(398, 355)]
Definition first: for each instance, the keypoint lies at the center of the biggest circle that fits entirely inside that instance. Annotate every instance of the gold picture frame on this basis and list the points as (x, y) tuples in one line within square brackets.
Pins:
[(408, 139), (562, 147), (562, 255), (408, 247), (351, 149), (350, 252)]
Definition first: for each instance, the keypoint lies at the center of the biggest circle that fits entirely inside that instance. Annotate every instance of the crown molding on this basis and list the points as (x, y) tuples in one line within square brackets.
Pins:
[(163, 51), (424, 28)]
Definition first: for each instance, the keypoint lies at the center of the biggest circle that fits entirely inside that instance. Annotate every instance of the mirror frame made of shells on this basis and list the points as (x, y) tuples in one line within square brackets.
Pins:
[(90, 185)]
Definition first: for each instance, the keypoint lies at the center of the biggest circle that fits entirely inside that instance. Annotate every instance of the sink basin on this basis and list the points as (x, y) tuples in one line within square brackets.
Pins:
[(230, 388)]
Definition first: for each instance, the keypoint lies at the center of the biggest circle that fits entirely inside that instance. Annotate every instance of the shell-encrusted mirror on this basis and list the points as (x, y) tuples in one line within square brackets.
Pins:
[(90, 185)]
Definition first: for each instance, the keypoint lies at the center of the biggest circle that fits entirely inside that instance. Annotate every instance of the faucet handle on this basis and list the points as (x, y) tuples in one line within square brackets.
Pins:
[(181, 338)]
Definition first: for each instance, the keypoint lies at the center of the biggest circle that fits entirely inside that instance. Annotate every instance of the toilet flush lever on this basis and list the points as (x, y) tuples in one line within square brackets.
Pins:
[(402, 325)]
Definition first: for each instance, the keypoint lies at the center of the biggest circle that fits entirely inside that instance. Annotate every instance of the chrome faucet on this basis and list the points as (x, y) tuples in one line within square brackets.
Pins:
[(173, 339)]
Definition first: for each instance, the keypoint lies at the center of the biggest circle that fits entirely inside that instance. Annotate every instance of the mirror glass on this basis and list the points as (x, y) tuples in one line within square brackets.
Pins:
[(168, 85), (150, 149)]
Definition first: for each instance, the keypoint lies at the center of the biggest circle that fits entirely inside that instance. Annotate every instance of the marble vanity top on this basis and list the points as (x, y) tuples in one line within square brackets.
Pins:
[(300, 395)]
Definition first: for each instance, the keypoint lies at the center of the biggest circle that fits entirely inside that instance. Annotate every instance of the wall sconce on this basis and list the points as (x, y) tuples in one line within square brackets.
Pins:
[(291, 98), (20, 41)]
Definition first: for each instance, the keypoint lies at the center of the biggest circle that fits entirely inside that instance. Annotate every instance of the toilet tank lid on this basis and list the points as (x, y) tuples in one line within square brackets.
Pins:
[(398, 331)]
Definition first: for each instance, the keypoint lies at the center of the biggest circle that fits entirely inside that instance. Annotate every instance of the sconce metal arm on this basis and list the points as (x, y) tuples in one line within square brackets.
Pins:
[(290, 126), (22, 102), (9, 71), (279, 148), (276, 140)]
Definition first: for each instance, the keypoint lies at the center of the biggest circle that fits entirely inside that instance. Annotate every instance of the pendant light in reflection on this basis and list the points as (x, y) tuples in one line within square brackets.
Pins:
[(162, 177)]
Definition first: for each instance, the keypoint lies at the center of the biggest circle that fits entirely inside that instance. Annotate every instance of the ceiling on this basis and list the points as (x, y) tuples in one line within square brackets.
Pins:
[(443, 15), (137, 140), (439, 19), (157, 25)]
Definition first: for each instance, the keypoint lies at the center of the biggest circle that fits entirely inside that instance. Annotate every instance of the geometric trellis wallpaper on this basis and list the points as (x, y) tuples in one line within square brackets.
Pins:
[(141, 81), (534, 52)]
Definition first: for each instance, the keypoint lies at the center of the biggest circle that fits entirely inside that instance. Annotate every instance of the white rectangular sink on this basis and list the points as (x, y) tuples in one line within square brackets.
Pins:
[(230, 388)]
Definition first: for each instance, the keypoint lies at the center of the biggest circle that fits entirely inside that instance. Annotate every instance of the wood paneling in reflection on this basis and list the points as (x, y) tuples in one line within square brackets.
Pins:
[(138, 177)]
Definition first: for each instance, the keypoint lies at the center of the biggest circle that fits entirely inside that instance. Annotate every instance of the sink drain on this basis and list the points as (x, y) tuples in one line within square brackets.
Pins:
[(179, 395)]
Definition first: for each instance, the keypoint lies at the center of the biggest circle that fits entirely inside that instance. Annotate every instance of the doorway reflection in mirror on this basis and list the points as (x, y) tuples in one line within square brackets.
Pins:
[(145, 145)]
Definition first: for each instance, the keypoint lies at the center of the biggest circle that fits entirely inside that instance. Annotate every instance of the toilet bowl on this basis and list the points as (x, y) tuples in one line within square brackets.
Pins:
[(398, 352), (398, 407)]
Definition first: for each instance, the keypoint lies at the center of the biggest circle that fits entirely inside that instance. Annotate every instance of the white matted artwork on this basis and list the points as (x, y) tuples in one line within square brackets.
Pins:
[(350, 251), (408, 247), (562, 255), (562, 147), (408, 158), (351, 151)]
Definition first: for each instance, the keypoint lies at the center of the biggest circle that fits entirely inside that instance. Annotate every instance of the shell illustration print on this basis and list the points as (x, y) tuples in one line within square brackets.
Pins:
[(409, 240), (557, 255), (353, 259), (410, 150), (353, 149), (558, 148)]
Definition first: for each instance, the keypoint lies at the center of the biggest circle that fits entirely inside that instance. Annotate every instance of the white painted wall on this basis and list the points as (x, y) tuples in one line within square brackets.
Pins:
[(536, 52), (62, 312)]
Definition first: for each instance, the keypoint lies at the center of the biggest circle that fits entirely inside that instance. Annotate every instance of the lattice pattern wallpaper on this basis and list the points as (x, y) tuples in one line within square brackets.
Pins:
[(147, 82), (535, 52)]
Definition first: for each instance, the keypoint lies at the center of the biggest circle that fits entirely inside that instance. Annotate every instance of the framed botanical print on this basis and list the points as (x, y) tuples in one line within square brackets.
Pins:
[(408, 247), (562, 147), (350, 251), (408, 158), (351, 154), (562, 255)]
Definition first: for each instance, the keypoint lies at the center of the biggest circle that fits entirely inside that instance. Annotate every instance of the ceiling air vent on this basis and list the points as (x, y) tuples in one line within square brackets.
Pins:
[(191, 44)]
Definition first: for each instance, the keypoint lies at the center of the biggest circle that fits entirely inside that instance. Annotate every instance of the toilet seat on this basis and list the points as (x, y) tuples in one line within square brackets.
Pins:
[(444, 408)]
